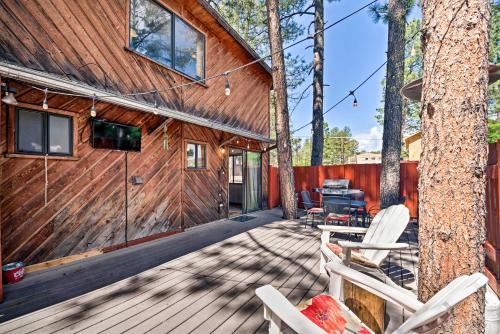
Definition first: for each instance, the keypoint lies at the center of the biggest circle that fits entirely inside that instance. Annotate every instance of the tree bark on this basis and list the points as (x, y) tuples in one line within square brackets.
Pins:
[(318, 57), (288, 200), (393, 105), (452, 208)]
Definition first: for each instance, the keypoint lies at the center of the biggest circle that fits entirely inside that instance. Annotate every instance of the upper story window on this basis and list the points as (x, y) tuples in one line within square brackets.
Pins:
[(43, 133), (164, 37)]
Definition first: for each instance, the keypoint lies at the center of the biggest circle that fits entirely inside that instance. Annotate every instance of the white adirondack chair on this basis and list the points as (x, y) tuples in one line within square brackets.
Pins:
[(380, 238), (426, 318)]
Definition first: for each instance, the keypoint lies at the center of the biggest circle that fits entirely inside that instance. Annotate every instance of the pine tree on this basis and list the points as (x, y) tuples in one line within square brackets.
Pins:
[(452, 208)]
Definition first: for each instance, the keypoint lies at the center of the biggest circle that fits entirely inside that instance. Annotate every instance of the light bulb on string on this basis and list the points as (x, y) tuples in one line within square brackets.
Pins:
[(45, 104), (355, 101), (227, 89), (93, 111)]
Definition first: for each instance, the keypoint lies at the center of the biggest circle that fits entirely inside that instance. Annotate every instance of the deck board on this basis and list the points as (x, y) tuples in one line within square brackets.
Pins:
[(209, 290)]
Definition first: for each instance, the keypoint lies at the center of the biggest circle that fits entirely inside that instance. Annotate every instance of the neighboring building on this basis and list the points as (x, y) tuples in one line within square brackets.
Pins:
[(67, 184), (366, 158), (413, 145)]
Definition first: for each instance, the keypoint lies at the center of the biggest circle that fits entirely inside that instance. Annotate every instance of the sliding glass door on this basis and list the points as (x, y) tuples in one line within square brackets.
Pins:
[(253, 181)]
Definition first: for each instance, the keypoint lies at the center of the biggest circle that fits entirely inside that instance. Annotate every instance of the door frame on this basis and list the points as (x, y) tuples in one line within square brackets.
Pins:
[(244, 178)]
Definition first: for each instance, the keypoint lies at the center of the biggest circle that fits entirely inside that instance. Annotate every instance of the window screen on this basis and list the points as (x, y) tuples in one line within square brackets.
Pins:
[(151, 30), (162, 36), (43, 133), (30, 131), (59, 134), (189, 50), (196, 155)]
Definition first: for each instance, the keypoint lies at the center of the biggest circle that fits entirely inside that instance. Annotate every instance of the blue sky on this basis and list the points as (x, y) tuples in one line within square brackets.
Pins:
[(353, 49)]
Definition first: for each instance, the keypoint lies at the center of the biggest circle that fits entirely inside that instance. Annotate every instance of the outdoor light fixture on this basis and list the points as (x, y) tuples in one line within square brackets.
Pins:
[(93, 111), (355, 102), (45, 104), (227, 90), (222, 150), (137, 180), (9, 97)]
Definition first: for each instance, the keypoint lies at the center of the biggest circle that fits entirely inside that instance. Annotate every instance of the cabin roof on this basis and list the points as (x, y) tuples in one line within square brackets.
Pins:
[(222, 22)]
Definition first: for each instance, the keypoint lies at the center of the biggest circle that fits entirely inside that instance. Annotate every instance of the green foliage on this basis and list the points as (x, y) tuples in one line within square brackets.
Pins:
[(493, 131), (414, 70), (379, 11), (338, 147), (494, 90), (249, 19)]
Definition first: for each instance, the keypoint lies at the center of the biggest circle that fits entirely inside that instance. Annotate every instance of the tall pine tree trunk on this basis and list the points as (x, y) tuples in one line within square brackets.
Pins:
[(454, 140), (288, 201), (393, 106), (317, 123)]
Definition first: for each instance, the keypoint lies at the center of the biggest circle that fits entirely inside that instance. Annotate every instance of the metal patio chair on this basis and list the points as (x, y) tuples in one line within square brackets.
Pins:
[(337, 209), (311, 208)]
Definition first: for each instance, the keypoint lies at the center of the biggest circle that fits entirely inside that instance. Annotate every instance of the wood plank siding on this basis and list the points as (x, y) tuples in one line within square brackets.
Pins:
[(86, 41)]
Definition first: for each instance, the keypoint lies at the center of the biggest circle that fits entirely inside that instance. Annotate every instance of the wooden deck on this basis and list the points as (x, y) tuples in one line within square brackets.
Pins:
[(210, 290)]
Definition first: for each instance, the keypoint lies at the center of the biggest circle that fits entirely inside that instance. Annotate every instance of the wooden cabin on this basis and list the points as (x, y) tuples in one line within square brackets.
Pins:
[(147, 165)]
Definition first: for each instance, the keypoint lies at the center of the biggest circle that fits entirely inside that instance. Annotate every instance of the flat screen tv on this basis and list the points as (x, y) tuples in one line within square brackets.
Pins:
[(115, 136)]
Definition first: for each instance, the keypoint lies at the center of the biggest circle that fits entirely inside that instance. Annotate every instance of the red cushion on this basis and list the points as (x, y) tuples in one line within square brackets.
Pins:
[(331, 316), (337, 250), (315, 210), (334, 216)]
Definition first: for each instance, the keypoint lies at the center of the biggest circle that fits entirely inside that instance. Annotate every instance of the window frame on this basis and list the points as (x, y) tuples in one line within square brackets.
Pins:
[(45, 133), (174, 15), (233, 163), (196, 144)]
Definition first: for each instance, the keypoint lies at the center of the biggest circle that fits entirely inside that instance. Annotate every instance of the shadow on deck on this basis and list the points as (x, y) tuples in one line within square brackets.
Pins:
[(200, 281)]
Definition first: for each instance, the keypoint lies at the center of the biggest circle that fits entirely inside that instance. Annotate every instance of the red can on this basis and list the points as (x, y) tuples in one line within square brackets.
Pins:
[(13, 272)]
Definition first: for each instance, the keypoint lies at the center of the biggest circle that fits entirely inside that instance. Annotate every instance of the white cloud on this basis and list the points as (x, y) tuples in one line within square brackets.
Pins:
[(371, 140)]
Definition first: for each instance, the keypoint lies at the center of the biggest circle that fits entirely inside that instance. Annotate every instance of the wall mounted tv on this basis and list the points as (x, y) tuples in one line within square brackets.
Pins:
[(114, 136)]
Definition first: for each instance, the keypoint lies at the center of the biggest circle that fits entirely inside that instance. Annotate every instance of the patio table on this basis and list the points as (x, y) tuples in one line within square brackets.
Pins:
[(355, 204)]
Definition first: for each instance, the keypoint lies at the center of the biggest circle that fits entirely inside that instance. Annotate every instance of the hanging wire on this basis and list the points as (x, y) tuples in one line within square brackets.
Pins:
[(351, 92), (225, 73)]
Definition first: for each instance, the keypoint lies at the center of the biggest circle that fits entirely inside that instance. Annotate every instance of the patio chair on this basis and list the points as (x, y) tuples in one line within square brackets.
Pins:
[(337, 209), (359, 196), (327, 314), (380, 238), (310, 207)]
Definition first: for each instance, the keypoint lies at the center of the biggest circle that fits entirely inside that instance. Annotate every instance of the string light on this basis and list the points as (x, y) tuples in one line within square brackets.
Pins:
[(93, 111), (227, 89), (355, 89), (355, 101), (45, 104)]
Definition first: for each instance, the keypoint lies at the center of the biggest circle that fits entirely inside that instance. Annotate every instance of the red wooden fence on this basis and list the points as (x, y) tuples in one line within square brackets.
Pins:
[(367, 178), (492, 244), (363, 176)]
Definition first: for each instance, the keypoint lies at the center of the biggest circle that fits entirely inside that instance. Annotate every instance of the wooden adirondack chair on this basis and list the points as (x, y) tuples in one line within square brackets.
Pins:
[(380, 238), (327, 314)]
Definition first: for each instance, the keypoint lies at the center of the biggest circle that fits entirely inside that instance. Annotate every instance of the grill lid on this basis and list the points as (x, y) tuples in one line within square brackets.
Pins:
[(336, 184)]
